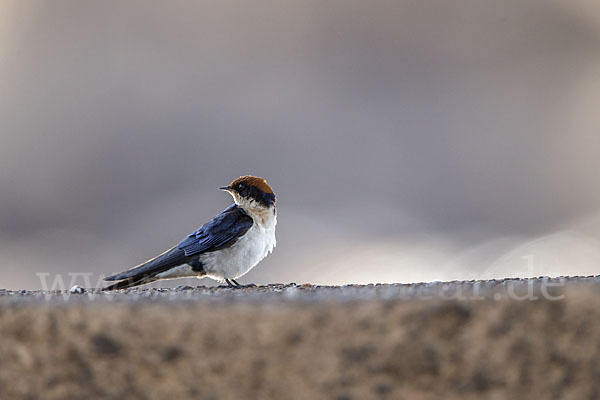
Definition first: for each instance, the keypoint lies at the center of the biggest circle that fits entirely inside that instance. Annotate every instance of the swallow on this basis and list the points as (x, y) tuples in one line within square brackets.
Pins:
[(225, 248)]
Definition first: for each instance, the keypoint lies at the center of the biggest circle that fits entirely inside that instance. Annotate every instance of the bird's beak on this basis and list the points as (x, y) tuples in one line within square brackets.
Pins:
[(226, 188)]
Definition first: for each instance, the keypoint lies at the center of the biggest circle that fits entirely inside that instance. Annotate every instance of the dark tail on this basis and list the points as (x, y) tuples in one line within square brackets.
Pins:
[(146, 272), (129, 282)]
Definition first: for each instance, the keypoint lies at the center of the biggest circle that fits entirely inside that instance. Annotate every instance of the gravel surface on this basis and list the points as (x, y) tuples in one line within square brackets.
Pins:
[(511, 338), (459, 290)]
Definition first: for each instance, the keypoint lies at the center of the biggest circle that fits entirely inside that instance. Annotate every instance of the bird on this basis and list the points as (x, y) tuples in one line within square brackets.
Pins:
[(224, 249)]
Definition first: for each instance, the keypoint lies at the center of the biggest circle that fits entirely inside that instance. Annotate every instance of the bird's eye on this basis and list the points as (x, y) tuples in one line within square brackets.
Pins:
[(240, 186)]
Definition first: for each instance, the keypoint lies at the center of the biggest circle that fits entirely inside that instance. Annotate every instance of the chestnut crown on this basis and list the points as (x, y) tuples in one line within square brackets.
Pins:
[(251, 188)]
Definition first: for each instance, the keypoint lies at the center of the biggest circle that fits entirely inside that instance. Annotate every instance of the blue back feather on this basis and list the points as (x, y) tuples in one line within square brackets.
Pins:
[(220, 232)]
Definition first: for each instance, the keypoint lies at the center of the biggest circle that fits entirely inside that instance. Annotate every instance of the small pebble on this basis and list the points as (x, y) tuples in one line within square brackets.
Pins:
[(77, 289)]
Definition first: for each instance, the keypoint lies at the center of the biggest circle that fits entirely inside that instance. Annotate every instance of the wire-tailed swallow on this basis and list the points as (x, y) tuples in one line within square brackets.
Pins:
[(225, 248)]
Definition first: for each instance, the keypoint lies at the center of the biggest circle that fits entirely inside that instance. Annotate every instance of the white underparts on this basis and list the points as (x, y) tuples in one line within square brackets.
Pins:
[(180, 271), (247, 251)]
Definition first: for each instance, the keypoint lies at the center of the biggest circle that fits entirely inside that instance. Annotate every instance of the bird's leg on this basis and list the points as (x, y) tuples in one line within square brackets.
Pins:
[(231, 285), (241, 286)]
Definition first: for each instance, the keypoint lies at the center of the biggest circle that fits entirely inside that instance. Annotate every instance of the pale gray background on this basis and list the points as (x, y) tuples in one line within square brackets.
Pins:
[(406, 140)]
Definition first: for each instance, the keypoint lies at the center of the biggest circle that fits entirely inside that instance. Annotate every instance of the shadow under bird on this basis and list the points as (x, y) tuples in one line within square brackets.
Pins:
[(224, 249)]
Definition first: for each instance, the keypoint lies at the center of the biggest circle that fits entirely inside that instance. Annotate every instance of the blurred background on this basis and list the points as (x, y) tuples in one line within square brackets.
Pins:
[(406, 140)]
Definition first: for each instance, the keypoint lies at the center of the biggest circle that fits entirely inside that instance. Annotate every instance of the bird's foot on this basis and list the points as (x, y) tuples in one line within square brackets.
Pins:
[(232, 283), (248, 285)]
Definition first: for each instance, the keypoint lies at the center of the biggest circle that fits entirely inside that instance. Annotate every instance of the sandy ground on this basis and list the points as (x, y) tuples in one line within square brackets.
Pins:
[(455, 340)]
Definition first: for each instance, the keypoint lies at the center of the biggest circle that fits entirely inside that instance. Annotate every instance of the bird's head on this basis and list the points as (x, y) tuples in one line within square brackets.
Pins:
[(251, 192)]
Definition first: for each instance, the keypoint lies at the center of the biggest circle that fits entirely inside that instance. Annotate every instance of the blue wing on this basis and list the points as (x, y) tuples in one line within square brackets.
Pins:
[(220, 232)]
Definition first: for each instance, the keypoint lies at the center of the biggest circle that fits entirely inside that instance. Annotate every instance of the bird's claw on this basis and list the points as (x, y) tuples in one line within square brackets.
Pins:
[(233, 284)]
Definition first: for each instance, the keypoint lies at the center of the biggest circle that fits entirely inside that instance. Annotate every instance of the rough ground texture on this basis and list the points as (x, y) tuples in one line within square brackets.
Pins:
[(456, 340)]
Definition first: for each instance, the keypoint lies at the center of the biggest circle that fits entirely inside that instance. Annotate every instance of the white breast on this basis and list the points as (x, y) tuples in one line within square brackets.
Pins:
[(238, 259)]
